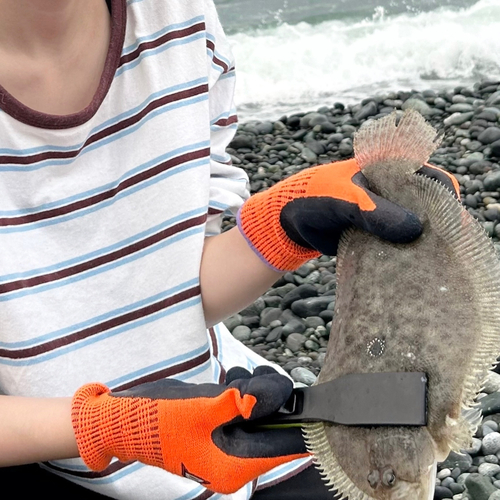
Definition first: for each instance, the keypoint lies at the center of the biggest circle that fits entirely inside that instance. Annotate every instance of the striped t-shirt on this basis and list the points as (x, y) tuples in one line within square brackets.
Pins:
[(103, 214)]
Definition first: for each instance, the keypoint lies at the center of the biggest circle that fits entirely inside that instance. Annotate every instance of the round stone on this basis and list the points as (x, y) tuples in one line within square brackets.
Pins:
[(447, 481), (270, 314), (442, 492), (301, 292), (479, 487), (489, 135), (311, 306), (294, 326), (314, 322), (274, 334), (491, 443), (232, 322), (295, 341), (491, 384), (443, 473), (487, 469), (242, 333), (303, 375)]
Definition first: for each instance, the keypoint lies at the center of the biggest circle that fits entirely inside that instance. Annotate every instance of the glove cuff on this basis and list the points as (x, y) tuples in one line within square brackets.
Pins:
[(259, 222), (107, 427)]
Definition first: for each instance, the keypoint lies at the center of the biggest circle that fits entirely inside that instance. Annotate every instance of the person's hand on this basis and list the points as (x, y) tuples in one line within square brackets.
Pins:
[(304, 216), (192, 430)]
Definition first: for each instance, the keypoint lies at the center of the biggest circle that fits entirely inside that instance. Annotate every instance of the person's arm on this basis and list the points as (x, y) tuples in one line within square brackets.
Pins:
[(35, 430), (232, 275)]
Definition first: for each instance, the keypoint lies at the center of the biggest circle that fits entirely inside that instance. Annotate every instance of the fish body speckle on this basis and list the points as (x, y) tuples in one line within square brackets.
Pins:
[(432, 305)]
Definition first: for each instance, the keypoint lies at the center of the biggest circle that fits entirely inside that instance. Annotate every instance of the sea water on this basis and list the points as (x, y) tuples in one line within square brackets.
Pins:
[(298, 55)]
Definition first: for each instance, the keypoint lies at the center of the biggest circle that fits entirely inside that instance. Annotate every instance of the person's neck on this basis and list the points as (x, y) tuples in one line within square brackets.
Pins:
[(47, 27)]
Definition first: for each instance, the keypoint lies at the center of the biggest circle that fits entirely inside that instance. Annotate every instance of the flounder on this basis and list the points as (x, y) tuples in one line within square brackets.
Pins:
[(431, 306)]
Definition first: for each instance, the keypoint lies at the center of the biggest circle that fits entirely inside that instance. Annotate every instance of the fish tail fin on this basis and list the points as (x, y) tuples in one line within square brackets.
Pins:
[(411, 141)]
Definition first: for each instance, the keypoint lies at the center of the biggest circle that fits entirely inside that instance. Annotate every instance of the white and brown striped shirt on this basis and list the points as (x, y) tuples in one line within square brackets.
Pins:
[(103, 214)]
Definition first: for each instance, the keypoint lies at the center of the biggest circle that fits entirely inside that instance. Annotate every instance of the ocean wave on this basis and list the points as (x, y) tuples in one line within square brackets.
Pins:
[(290, 67)]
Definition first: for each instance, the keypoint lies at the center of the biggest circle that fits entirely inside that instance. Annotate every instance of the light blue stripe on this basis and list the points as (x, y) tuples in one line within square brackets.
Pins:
[(102, 336), (221, 159), (155, 96), (160, 33), (110, 122), (224, 115), (101, 318), (130, 2), (216, 128), (216, 204), (101, 205), (229, 74), (128, 469), (189, 374), (157, 367), (215, 53), (105, 250), (111, 185), (108, 140), (283, 470), (158, 50), (104, 268)]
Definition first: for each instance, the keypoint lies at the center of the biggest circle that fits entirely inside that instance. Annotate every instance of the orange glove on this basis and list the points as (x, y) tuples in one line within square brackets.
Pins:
[(304, 216), (190, 430)]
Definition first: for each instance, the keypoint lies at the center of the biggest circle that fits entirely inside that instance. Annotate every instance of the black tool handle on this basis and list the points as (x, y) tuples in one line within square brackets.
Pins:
[(361, 399)]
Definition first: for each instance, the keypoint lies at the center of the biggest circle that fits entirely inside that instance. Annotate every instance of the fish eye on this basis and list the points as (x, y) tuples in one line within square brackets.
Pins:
[(374, 478), (389, 478)]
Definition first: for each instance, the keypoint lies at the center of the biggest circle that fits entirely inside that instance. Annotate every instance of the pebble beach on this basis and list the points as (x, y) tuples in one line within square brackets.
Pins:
[(290, 324)]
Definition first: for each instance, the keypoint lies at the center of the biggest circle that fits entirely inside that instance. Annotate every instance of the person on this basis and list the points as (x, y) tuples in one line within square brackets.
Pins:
[(115, 371)]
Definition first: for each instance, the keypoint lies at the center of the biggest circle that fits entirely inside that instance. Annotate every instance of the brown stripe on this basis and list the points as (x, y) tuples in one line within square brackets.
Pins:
[(94, 200), (214, 211), (53, 155), (216, 60), (167, 37), (103, 259), (166, 372), (224, 122), (101, 327), (215, 352), (206, 494)]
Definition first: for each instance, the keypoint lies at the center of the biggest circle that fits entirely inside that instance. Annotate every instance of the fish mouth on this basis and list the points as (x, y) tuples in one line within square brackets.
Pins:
[(424, 490)]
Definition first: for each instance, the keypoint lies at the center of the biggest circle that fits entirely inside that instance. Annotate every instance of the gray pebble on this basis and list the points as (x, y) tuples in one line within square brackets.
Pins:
[(303, 375), (491, 443), (479, 487), (491, 383), (242, 333), (294, 326), (487, 469), (311, 306), (443, 473), (458, 118), (232, 322), (295, 341)]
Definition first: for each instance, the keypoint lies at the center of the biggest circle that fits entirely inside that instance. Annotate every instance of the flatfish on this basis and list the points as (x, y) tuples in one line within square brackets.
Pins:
[(431, 306)]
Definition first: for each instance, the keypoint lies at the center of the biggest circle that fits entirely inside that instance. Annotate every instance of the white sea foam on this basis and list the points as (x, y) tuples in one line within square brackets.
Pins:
[(301, 67)]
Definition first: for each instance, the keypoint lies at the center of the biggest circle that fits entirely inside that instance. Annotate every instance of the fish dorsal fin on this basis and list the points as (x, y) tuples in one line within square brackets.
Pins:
[(412, 140), (471, 245)]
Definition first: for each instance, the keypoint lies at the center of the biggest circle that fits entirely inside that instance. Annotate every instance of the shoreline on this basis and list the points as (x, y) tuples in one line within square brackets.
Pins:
[(289, 324)]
